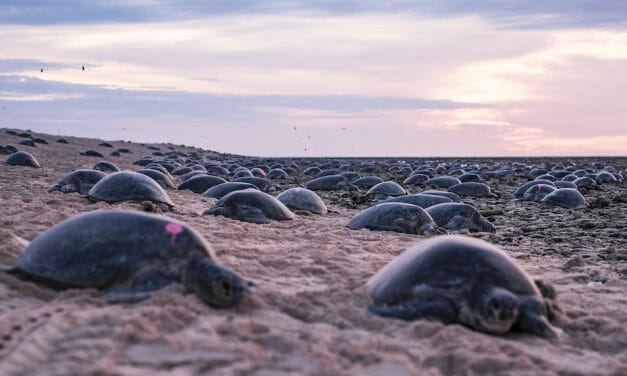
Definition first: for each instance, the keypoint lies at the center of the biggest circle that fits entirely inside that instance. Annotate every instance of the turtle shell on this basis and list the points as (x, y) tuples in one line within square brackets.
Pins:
[(128, 185)]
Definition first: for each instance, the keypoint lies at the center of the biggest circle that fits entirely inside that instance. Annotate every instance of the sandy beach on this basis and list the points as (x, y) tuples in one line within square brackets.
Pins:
[(308, 314)]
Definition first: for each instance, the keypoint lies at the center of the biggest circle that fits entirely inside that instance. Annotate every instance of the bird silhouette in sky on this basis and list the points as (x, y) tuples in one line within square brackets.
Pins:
[(83, 67), (42, 70)]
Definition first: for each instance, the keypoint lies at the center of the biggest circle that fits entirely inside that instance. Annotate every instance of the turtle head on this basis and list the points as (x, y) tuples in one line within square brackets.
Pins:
[(499, 310), (213, 284)]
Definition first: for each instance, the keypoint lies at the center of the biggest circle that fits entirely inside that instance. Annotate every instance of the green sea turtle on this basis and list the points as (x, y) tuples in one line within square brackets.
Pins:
[(128, 254), (537, 192), (395, 216), (302, 199), (421, 199), (22, 158), (385, 190), (442, 182), (163, 179), (457, 279), (220, 190), (565, 197), (472, 189), (457, 216), (367, 182), (80, 181), (520, 191), (251, 206), (325, 183), (128, 185), (200, 183), (106, 166)]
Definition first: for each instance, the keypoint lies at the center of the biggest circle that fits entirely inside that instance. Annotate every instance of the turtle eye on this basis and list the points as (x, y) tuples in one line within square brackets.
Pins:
[(226, 287)]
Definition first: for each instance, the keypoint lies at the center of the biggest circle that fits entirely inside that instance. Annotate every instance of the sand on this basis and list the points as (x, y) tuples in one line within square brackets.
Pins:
[(308, 314)]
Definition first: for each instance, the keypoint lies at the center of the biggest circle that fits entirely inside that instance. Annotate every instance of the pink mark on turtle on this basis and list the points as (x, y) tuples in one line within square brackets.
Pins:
[(173, 229), (539, 187)]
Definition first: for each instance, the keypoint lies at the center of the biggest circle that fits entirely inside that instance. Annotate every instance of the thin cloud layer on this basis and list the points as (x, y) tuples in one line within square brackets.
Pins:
[(334, 78)]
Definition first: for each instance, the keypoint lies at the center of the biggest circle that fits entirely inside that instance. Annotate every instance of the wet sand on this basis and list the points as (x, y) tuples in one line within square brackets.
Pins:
[(308, 314)]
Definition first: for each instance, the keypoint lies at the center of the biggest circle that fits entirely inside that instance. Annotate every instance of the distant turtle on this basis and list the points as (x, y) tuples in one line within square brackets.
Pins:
[(394, 216), (537, 192), (163, 179), (416, 179), (325, 183), (565, 184), (468, 177), (604, 177), (128, 185), (302, 199), (92, 153), (200, 183), (128, 254), (277, 173), (62, 141), (22, 158), (421, 199), (565, 197), (263, 184), (80, 181), (450, 195), (442, 182), (221, 190), (457, 216), (106, 166), (251, 206), (385, 190), (27, 142), (585, 183), (367, 182), (463, 280), (520, 191), (472, 189)]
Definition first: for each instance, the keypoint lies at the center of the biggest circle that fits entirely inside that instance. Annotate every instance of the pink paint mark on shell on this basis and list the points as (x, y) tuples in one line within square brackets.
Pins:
[(173, 229), (539, 187)]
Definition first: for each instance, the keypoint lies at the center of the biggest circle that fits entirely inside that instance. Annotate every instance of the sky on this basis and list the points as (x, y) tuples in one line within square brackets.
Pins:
[(324, 78)]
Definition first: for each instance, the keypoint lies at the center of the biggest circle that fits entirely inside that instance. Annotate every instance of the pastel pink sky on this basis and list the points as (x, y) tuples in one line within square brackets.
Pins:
[(310, 83)]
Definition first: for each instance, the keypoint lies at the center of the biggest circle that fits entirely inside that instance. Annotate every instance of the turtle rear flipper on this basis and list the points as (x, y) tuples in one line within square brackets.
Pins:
[(434, 308)]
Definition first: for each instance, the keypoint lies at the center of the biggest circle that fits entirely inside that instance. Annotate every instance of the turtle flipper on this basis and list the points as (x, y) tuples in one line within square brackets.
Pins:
[(138, 287), (435, 308), (533, 323)]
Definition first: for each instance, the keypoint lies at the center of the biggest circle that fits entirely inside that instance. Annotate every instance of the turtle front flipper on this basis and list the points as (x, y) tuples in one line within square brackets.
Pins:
[(138, 286), (434, 308), (531, 322)]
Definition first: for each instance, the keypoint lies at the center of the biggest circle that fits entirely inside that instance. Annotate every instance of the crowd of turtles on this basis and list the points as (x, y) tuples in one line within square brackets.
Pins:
[(449, 277)]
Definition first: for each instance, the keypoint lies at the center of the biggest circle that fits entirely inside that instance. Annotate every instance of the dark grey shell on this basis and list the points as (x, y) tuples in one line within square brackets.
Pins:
[(97, 248), (221, 190), (520, 191), (420, 199), (27, 143), (92, 153), (394, 216), (80, 181), (604, 177), (200, 183), (468, 177), (565, 184), (106, 166), (251, 206), (367, 182), (162, 179), (416, 179), (473, 189), (302, 199), (312, 171), (442, 182), (263, 184), (22, 158), (325, 183), (277, 173), (386, 189), (217, 170), (565, 197), (459, 271), (8, 149), (450, 195), (537, 192), (585, 182), (128, 185), (458, 216)]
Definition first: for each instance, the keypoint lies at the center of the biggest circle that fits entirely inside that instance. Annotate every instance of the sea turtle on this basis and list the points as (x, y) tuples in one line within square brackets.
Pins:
[(277, 173), (263, 184), (457, 216), (80, 181), (565, 184), (367, 182), (585, 182), (395, 216), (605, 177), (92, 153), (221, 190), (469, 177), (472, 189), (457, 279), (565, 197), (251, 206), (27, 142), (8, 149), (128, 254), (163, 179), (537, 192), (302, 200), (442, 182), (22, 158), (520, 191), (385, 190), (325, 183), (106, 166), (416, 179), (128, 185), (450, 195), (201, 182), (420, 199)]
